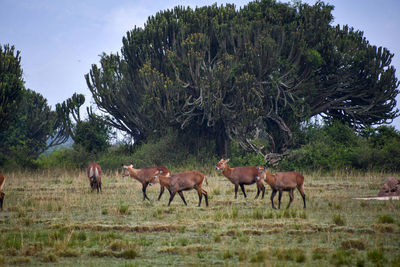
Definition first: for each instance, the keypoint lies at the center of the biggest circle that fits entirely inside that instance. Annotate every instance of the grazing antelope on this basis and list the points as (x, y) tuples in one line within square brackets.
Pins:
[(145, 176), (2, 181), (182, 181), (283, 181), (94, 175), (241, 176)]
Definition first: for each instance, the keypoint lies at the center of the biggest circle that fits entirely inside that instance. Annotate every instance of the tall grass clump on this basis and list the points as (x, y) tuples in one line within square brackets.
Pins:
[(123, 209), (377, 256), (338, 220), (385, 218)]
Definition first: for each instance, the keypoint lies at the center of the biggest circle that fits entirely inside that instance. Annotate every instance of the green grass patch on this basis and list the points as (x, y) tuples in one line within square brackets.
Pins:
[(338, 220), (385, 218)]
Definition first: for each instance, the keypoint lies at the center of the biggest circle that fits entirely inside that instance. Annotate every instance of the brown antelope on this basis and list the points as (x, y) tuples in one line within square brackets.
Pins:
[(144, 176), (283, 181), (94, 175), (182, 181), (241, 176), (2, 181)]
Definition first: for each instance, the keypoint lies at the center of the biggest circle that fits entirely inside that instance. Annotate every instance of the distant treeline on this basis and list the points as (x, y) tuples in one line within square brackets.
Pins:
[(324, 148)]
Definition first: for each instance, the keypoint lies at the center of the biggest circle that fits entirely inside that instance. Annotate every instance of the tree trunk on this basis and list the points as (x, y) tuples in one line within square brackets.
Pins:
[(221, 143)]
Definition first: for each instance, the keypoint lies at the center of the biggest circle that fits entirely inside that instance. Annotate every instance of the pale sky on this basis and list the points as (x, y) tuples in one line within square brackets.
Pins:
[(59, 40)]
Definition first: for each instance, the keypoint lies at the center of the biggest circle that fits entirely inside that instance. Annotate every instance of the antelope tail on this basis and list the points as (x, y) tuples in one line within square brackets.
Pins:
[(94, 173), (2, 184)]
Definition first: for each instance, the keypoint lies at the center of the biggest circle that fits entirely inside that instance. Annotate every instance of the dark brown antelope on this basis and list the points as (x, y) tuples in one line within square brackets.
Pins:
[(182, 181), (283, 181), (145, 176), (94, 175), (241, 176), (2, 181)]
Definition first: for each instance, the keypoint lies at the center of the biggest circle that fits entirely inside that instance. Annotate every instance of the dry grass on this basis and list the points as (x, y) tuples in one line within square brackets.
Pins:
[(53, 218)]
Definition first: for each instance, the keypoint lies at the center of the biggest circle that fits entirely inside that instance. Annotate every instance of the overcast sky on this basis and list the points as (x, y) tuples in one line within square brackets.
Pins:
[(60, 39)]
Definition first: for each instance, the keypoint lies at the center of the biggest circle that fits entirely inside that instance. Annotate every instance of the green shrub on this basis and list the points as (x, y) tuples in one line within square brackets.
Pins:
[(65, 158), (336, 146), (240, 157), (169, 150)]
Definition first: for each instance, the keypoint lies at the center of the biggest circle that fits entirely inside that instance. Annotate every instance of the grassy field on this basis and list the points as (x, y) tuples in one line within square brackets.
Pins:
[(53, 218)]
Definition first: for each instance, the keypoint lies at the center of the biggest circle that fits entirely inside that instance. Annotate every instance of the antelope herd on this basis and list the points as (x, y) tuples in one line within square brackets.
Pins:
[(184, 181), (239, 176)]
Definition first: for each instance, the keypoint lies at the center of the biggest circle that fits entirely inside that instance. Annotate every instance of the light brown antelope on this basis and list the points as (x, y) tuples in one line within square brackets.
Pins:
[(283, 181), (94, 175), (241, 176), (145, 176), (2, 182), (182, 181)]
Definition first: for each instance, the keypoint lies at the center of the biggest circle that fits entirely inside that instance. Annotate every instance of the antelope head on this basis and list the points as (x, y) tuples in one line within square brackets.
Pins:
[(221, 164)]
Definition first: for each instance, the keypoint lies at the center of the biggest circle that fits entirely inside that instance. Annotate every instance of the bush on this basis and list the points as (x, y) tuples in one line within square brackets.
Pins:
[(337, 146), (65, 158), (169, 150), (240, 157), (92, 135)]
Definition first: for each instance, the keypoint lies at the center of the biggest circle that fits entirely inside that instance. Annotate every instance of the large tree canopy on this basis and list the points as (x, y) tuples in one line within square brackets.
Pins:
[(11, 84), (34, 129), (254, 73)]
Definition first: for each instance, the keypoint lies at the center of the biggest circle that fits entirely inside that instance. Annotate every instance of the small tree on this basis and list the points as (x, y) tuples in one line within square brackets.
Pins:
[(92, 135)]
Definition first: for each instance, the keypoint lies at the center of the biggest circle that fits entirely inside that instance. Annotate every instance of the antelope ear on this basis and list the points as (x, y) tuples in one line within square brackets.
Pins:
[(226, 161)]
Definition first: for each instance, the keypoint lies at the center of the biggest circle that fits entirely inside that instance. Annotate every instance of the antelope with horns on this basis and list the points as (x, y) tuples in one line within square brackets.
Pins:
[(182, 181), (2, 181), (94, 175), (145, 176), (241, 176), (283, 181)]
